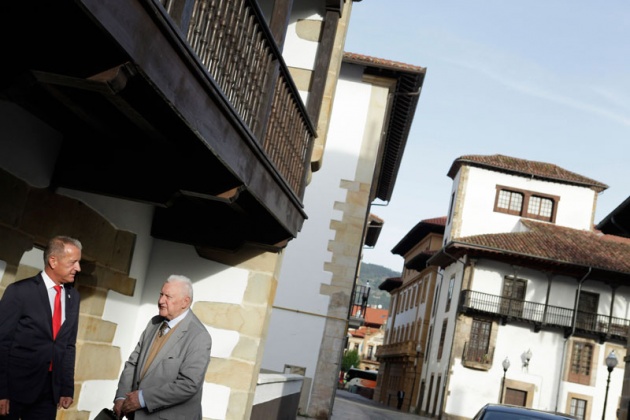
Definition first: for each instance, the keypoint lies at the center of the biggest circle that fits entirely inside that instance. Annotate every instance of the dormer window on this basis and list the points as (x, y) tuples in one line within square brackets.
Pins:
[(525, 203), (510, 202)]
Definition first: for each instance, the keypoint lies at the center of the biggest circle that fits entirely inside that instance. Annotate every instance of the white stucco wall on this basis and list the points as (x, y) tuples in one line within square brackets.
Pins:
[(297, 324), (477, 213), (153, 261), (549, 347), (299, 52)]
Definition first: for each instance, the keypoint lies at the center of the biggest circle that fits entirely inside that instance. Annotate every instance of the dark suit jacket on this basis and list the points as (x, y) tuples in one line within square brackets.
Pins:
[(26, 341), (173, 385)]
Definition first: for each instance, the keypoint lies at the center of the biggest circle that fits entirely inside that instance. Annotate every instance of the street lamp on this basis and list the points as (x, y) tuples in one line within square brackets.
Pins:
[(506, 366), (611, 362)]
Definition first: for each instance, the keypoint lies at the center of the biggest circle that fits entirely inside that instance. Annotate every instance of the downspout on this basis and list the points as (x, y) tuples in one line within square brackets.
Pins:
[(566, 339), (577, 299), (612, 304)]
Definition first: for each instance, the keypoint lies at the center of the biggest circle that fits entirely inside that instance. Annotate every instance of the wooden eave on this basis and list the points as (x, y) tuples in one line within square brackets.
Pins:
[(142, 120), (455, 250)]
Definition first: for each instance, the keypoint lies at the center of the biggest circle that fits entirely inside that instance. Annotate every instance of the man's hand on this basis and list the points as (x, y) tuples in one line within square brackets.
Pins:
[(118, 408), (4, 407), (64, 402), (131, 403)]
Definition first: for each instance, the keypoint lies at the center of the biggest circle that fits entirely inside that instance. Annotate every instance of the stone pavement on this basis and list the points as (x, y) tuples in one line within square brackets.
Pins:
[(349, 406)]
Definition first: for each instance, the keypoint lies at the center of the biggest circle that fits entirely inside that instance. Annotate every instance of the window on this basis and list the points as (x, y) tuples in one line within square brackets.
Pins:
[(442, 337), (425, 287), (370, 351), (510, 201), (451, 284), (526, 203), (478, 346), (581, 362), (587, 310), (513, 296), (435, 298), (540, 207), (450, 208), (578, 408), (427, 352)]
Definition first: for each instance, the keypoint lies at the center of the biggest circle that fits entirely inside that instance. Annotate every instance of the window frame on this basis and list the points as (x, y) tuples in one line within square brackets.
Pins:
[(524, 210), (581, 368), (479, 338), (442, 339)]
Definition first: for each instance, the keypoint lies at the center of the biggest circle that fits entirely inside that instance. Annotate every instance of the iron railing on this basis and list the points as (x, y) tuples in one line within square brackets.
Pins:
[(543, 315), (473, 354)]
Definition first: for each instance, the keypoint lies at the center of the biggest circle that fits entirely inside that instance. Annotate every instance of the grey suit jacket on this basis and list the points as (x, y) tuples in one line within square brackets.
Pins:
[(173, 384)]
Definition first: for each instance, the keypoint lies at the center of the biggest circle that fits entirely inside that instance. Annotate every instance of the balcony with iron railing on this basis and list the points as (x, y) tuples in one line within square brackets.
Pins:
[(358, 306), (544, 316)]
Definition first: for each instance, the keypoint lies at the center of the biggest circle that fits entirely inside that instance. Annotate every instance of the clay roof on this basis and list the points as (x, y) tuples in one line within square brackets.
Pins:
[(380, 62), (375, 316), (390, 284), (418, 232), (404, 100), (374, 227), (529, 168), (548, 244)]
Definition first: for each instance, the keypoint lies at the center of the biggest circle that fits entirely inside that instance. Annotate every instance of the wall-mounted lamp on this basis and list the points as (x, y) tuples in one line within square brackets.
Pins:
[(526, 357)]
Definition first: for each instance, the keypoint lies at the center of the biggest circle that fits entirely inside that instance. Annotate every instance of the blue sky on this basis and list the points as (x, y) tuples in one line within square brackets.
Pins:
[(545, 80)]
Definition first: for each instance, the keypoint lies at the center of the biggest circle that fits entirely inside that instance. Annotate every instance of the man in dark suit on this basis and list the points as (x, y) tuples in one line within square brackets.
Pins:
[(37, 367), (164, 375)]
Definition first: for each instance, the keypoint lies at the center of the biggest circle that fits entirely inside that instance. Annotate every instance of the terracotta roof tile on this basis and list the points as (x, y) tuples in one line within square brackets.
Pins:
[(529, 168), (375, 316), (440, 221), (418, 232), (556, 243), (380, 62)]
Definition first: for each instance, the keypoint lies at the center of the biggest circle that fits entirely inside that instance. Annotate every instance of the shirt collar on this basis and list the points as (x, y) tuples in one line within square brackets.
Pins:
[(48, 281), (175, 321)]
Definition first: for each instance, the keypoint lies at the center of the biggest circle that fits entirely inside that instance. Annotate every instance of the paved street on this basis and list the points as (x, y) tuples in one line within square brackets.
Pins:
[(349, 406)]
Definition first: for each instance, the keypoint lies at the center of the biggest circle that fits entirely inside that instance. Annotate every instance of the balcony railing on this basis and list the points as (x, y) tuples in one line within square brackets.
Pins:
[(359, 305), (233, 43), (405, 348), (543, 315), (473, 356)]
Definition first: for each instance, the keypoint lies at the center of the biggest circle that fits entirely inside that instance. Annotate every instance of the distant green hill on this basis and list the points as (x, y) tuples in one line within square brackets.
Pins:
[(376, 274)]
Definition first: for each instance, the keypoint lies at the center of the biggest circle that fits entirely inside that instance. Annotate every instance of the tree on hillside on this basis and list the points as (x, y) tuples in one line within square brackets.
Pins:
[(375, 275)]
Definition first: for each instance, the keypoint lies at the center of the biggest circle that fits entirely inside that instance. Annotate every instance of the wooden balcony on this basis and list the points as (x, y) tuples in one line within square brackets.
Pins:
[(183, 104), (544, 316), (402, 349)]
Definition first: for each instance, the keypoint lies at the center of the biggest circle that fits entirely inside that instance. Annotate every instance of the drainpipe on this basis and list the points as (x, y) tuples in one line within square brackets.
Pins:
[(566, 339), (612, 304)]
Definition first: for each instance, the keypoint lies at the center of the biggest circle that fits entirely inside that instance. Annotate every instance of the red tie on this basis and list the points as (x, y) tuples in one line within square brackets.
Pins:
[(56, 322)]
